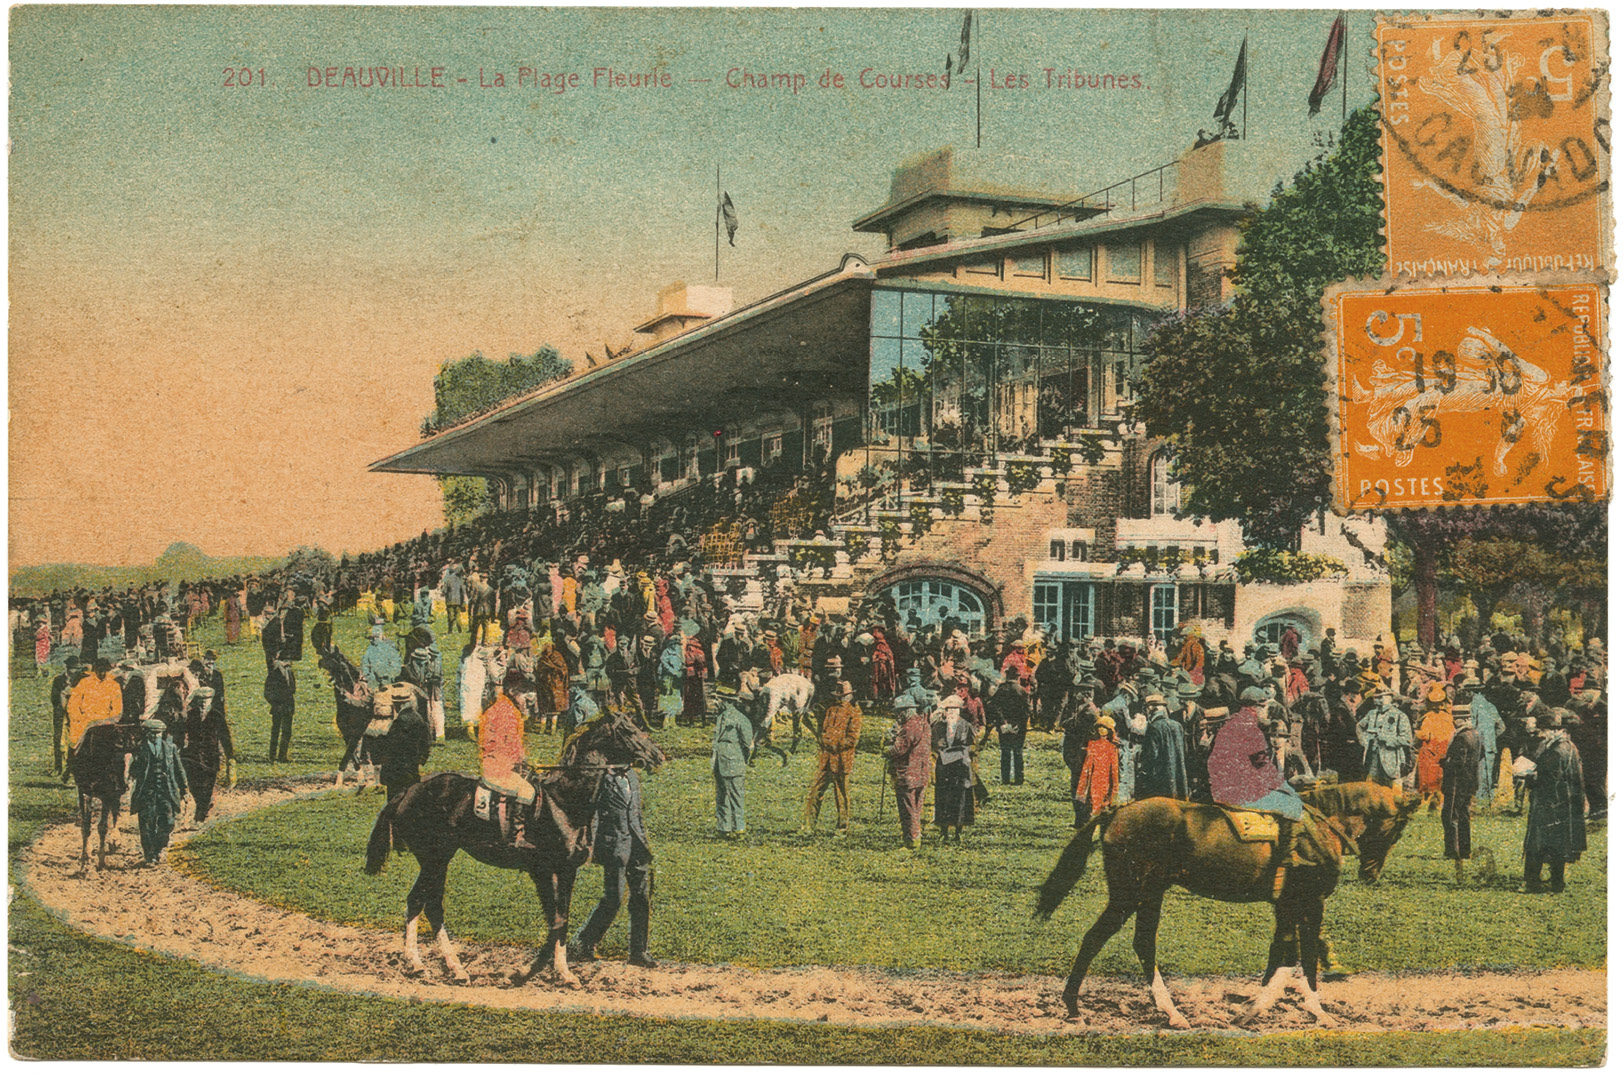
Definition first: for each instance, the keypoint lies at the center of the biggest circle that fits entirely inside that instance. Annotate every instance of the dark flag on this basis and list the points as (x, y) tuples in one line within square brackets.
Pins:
[(1231, 96), (1329, 64), (963, 42), (729, 217), (949, 72)]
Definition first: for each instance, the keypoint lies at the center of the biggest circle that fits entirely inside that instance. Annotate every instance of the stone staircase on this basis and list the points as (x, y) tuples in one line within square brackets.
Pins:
[(857, 548)]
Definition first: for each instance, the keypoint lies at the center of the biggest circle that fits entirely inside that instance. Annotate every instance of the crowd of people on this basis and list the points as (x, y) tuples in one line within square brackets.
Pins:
[(612, 605)]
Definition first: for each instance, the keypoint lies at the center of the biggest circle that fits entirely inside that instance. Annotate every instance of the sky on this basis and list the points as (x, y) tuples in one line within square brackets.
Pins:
[(227, 300)]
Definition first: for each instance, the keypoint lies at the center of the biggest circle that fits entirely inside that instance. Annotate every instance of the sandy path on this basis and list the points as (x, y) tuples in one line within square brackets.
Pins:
[(169, 912)]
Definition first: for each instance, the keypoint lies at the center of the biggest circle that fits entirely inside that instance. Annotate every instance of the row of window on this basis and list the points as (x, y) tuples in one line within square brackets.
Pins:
[(1070, 609), (1123, 264)]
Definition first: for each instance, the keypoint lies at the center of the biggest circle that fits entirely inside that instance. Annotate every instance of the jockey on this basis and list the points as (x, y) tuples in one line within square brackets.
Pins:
[(1243, 773), (501, 750)]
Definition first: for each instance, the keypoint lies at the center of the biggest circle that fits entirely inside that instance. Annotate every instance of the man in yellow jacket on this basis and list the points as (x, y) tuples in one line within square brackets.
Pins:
[(95, 699)]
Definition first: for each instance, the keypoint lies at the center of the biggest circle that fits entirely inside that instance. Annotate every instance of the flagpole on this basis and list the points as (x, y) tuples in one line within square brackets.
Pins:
[(1345, 27), (718, 221), (1245, 86), (978, 74)]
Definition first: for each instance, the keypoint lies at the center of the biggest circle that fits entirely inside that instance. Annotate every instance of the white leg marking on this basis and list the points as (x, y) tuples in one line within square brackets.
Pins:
[(1163, 1001), (414, 959), (560, 964), (1311, 997), (452, 960), (1268, 997)]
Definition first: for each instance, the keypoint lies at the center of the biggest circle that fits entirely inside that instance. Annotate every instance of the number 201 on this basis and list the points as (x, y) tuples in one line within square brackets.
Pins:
[(244, 77)]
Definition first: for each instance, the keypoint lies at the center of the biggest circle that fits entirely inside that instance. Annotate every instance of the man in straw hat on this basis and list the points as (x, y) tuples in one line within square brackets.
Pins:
[(837, 753)]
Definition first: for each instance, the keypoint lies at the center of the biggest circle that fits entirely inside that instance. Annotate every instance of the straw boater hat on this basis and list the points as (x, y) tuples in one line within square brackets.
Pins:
[(1437, 694), (843, 691)]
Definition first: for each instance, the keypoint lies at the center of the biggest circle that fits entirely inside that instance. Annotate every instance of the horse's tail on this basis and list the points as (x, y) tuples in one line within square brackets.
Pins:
[(1072, 862), (377, 848)]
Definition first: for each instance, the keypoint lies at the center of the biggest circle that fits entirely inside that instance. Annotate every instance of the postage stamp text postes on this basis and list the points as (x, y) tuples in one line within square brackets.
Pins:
[(1467, 395)]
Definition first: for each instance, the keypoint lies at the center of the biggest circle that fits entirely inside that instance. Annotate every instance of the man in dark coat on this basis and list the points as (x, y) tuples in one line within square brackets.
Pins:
[(281, 686), (206, 742), (64, 682), (1161, 768), (1462, 765), (1009, 714), (621, 848), (1555, 807)]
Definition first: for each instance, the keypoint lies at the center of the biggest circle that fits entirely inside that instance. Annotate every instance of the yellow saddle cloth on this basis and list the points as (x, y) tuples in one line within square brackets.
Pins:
[(1253, 826)]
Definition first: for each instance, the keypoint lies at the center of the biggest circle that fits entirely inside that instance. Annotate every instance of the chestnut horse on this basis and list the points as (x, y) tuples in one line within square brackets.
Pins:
[(1153, 844), (435, 819)]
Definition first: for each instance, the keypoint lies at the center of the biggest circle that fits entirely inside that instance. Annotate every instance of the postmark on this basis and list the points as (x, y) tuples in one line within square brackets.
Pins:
[(1467, 394), (1495, 143)]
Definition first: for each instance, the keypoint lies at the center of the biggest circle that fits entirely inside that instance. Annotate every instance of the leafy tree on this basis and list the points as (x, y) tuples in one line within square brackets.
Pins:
[(1239, 390), (312, 560), (473, 385), (465, 498)]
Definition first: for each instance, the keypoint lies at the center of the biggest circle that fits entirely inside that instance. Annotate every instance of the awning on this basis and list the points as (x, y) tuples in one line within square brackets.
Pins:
[(803, 343)]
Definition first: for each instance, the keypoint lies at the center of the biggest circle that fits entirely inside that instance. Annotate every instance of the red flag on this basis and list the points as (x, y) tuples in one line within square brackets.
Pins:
[(1328, 65)]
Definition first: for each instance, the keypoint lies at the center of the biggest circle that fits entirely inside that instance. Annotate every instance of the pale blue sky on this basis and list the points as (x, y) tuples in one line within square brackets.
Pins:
[(253, 257)]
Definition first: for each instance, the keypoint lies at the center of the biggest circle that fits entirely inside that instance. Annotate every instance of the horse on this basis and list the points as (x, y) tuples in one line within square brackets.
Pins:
[(98, 772), (435, 819), (1154, 844), (1378, 816), (790, 692), (352, 702)]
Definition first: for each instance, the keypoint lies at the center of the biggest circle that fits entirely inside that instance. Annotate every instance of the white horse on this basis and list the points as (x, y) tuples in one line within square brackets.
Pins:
[(789, 693)]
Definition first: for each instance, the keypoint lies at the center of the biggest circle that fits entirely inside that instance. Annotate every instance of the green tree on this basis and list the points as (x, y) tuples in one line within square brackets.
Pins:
[(474, 385), (1239, 390), (309, 559), (465, 498)]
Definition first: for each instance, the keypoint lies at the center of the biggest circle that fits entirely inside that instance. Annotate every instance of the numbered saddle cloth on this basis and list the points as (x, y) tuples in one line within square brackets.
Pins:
[(1252, 826), (386, 706)]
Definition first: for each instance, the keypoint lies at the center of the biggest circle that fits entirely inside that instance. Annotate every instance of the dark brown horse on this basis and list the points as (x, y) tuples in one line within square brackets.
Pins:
[(98, 772), (352, 702), (435, 819), (1154, 844)]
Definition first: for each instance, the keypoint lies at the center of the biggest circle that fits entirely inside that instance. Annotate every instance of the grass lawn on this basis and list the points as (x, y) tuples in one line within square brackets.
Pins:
[(775, 898)]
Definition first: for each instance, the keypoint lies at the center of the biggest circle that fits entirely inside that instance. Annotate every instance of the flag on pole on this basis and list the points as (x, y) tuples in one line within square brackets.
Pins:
[(963, 41), (729, 218), (1231, 96), (1329, 66)]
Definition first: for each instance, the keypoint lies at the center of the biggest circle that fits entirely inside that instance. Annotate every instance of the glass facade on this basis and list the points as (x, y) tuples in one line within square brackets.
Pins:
[(952, 372)]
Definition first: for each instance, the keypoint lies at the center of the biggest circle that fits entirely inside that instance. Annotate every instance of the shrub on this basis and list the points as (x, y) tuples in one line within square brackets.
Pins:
[(1022, 477), (922, 516), (1285, 567)]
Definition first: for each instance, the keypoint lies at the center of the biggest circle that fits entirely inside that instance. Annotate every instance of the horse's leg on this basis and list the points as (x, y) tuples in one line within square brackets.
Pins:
[(84, 833), (1112, 919), (1312, 923), (101, 837), (1145, 927), (558, 935), (1279, 969), (429, 887), (434, 908)]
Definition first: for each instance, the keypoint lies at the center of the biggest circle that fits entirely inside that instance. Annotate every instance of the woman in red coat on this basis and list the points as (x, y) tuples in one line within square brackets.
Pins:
[(884, 668), (695, 666), (1101, 770)]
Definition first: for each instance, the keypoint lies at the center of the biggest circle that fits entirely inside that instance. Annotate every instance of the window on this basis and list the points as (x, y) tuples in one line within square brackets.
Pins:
[(991, 267), (623, 474), (1163, 610), (823, 428), (1166, 265), (1166, 491), (924, 601), (1125, 263), (1079, 550), (1124, 384), (1031, 264), (1077, 263), (1056, 551), (772, 446), (1064, 606), (732, 439)]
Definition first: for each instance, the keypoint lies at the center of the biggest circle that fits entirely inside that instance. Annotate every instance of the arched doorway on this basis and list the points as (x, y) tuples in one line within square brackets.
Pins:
[(935, 593), (1308, 623)]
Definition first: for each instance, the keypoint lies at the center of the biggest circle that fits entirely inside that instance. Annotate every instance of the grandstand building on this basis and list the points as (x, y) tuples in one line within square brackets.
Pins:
[(965, 396)]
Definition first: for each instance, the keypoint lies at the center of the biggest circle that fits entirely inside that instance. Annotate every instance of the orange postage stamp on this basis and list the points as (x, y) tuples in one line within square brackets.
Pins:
[(1467, 394), (1495, 143)]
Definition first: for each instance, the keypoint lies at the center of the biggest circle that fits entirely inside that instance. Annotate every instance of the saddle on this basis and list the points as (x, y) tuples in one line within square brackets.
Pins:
[(504, 803), (1252, 826), (386, 706)]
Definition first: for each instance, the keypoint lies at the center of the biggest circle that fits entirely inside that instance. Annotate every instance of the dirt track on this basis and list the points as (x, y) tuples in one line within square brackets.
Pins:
[(169, 912)]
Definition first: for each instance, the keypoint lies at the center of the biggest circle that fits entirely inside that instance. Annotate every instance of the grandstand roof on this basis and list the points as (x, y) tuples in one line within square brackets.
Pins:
[(809, 340)]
